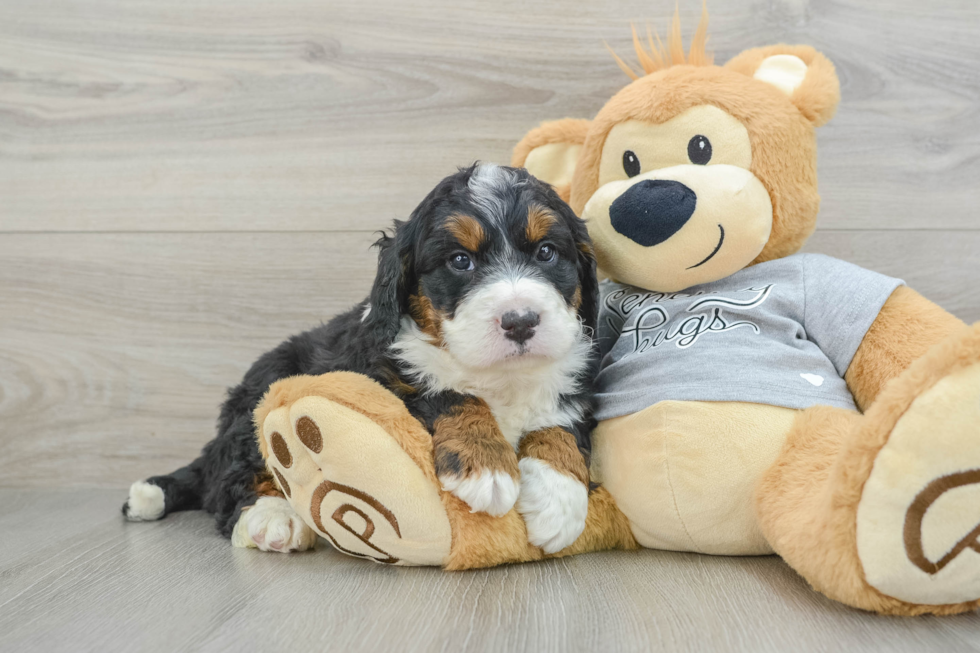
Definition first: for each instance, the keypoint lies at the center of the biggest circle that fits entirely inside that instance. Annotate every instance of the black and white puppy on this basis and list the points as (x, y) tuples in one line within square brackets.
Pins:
[(481, 319)]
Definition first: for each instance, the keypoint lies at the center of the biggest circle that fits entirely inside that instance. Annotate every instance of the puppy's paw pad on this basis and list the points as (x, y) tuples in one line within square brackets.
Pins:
[(554, 505), (145, 503), (492, 492), (272, 525)]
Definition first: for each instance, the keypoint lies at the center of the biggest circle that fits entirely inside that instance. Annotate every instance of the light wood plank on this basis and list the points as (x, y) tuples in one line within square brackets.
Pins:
[(117, 349), (176, 585), (296, 115)]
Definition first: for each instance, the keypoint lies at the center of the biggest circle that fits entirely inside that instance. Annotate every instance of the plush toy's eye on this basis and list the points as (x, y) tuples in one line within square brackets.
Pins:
[(699, 150), (546, 253), (631, 164), (461, 262)]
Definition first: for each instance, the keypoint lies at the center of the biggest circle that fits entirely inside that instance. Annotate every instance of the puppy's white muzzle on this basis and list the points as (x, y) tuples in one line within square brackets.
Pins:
[(511, 319)]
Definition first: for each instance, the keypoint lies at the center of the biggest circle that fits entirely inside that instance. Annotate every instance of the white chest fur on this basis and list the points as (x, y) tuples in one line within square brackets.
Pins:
[(522, 409), (524, 396)]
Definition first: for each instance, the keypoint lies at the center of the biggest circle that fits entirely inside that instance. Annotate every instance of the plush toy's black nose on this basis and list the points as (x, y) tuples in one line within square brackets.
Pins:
[(652, 211), (519, 328)]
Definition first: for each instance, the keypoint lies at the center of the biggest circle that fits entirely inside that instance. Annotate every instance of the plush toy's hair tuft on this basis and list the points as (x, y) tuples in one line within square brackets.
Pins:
[(660, 57)]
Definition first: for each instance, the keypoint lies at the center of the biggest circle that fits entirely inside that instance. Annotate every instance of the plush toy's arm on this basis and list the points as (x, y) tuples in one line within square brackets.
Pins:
[(907, 326)]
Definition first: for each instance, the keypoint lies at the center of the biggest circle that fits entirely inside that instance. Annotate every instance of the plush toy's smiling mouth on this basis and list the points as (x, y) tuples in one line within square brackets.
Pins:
[(715, 251)]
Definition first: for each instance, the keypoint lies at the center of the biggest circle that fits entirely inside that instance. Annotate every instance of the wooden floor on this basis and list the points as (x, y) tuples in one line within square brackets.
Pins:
[(75, 577), (183, 183)]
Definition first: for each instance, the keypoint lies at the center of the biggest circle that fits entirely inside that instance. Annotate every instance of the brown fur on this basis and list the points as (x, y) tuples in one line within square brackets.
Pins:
[(266, 486), (781, 132), (807, 501), (781, 137), (568, 130), (399, 386), (557, 447), (539, 223), (468, 441), (467, 230), (480, 540), (283, 483), (819, 94), (606, 527), (426, 316), (907, 326)]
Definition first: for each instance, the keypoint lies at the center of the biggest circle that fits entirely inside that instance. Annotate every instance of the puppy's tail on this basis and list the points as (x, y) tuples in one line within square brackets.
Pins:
[(158, 496)]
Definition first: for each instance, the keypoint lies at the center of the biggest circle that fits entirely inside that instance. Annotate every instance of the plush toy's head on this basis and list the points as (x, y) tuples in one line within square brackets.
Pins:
[(694, 171)]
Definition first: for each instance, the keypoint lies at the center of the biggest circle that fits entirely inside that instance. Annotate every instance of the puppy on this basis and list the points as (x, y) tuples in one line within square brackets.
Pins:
[(481, 319)]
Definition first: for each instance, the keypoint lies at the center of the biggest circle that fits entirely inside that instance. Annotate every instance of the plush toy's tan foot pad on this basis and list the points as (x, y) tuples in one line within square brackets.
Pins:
[(918, 522), (354, 484)]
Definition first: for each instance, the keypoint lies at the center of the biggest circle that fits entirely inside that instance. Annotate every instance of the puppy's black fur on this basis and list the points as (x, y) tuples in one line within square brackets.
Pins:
[(415, 261)]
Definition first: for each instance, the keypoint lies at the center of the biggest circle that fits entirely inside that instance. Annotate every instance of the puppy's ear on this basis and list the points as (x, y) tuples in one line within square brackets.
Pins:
[(389, 294), (550, 152)]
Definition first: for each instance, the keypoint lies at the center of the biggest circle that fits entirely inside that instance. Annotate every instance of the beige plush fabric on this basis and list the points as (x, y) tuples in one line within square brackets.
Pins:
[(553, 163), (377, 503), (684, 472), (812, 501), (358, 468), (918, 514)]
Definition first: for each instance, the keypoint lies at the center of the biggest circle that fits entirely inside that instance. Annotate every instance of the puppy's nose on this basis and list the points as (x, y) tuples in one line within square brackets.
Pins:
[(652, 211), (519, 327)]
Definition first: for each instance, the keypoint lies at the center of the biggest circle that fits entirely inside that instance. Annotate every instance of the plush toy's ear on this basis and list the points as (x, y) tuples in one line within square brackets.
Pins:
[(550, 152), (799, 71)]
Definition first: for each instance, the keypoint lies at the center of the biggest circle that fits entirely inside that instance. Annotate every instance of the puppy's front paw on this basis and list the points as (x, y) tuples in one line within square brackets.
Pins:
[(492, 492), (554, 505), (272, 525), (478, 467)]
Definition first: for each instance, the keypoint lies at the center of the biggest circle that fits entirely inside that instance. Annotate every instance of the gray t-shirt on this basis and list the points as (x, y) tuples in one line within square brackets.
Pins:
[(780, 333)]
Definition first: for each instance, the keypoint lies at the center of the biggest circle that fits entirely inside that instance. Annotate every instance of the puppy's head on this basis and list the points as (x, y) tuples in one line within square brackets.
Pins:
[(493, 267)]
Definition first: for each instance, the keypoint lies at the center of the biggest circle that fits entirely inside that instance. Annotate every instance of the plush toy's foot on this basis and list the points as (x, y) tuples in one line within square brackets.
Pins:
[(358, 468), (882, 511), (346, 474), (918, 521), (272, 525)]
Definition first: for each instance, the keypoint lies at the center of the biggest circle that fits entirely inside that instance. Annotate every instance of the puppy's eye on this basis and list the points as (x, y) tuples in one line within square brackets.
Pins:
[(631, 164), (546, 253), (461, 262), (699, 150)]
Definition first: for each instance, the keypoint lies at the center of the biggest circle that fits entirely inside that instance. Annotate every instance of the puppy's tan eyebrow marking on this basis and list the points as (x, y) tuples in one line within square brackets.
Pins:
[(539, 221), (467, 231)]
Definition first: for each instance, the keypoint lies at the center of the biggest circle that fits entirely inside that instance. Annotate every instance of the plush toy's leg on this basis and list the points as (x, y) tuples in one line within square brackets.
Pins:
[(882, 511), (358, 468), (606, 527)]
